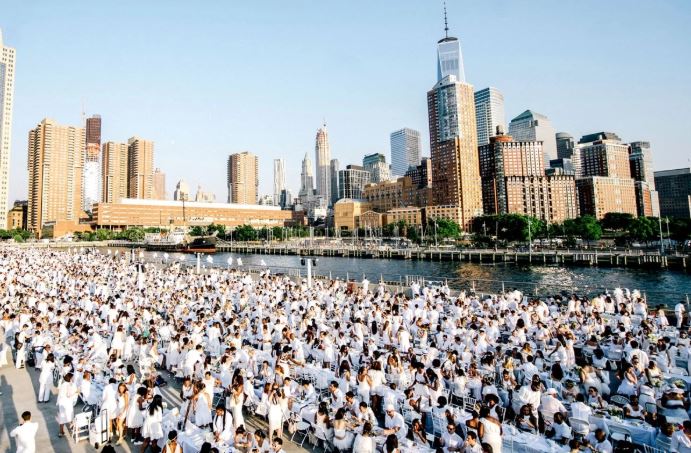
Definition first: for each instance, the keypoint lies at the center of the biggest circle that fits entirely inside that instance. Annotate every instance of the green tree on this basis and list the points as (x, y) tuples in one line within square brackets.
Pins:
[(245, 233), (616, 221), (103, 235), (132, 234), (643, 229), (197, 230), (443, 228), (680, 229), (218, 229), (585, 227)]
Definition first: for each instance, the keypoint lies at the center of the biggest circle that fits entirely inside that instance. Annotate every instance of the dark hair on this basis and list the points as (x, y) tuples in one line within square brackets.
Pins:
[(26, 416), (172, 435), (157, 403), (391, 443)]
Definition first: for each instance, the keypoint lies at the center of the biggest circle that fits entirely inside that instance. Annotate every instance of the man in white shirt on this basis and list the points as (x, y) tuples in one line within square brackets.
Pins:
[(450, 440), (680, 439), (550, 405), (25, 434), (580, 410), (394, 423), (598, 441), (679, 311)]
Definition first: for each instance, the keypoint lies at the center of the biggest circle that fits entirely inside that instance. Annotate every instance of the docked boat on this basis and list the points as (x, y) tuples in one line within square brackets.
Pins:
[(177, 241)]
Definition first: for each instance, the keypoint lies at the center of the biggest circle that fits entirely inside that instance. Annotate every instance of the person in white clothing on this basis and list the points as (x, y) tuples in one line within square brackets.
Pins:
[(25, 434), (45, 379)]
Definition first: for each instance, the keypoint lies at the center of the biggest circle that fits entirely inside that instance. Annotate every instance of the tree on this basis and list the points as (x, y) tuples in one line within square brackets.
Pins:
[(197, 230), (617, 221), (219, 229), (245, 233), (103, 235), (585, 227), (132, 234), (680, 229), (443, 228), (643, 228)]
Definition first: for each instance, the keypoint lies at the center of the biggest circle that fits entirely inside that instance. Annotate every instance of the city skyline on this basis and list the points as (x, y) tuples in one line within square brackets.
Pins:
[(353, 133)]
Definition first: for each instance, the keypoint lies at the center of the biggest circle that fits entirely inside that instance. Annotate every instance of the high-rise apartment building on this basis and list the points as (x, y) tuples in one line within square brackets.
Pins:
[(7, 60), (306, 179), (531, 126), (323, 160), (377, 167), (514, 182), (334, 167), (421, 174), (55, 164), (91, 184), (603, 175), (674, 189), (203, 196), (489, 112), (565, 145), (182, 191), (453, 141), (140, 168), (641, 162), (159, 185), (352, 182), (114, 172), (405, 150), (243, 178), (279, 180)]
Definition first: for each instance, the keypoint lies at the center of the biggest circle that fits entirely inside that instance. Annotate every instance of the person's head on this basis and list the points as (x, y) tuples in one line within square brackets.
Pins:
[(450, 428), (367, 428), (417, 425), (68, 377), (487, 448), (277, 443), (592, 391), (558, 417), (220, 409), (390, 410), (600, 434), (633, 399), (259, 436), (172, 436), (580, 398), (26, 416), (574, 445), (687, 425), (471, 438), (108, 449), (391, 443)]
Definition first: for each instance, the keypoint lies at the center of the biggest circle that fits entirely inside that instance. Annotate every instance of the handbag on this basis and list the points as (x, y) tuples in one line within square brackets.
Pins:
[(262, 409)]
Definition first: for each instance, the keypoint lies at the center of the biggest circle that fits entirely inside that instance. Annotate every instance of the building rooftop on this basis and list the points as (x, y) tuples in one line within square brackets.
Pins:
[(529, 114), (597, 136), (675, 172)]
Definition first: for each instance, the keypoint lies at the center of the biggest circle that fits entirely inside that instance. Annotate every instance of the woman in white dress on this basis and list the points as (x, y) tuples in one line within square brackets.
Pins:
[(135, 413), (214, 339), (275, 414), (629, 381), (343, 439), (172, 445), (67, 393), (489, 430), (202, 406), (123, 398), (237, 399), (173, 353), (364, 442), (45, 379), (152, 430), (118, 342), (364, 384)]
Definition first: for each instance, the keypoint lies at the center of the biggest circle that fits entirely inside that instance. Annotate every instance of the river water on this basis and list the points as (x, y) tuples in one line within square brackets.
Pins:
[(665, 287)]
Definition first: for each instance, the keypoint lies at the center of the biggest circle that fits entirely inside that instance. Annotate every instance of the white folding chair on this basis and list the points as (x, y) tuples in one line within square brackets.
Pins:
[(579, 427), (301, 434), (619, 433), (649, 449), (80, 426), (619, 400)]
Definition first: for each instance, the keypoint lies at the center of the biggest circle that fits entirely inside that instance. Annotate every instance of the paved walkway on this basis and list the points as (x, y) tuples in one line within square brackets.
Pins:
[(19, 389)]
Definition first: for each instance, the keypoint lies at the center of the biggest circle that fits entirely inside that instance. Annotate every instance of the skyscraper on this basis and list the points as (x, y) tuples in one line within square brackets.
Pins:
[(323, 160), (377, 167), (514, 182), (114, 172), (334, 167), (279, 179), (93, 130), (641, 162), (449, 57), (603, 175), (159, 192), (140, 168), (92, 166), (405, 150), (243, 178), (55, 163), (489, 111), (674, 188), (182, 191), (565, 145), (352, 182), (7, 56), (453, 142), (531, 126), (306, 179)]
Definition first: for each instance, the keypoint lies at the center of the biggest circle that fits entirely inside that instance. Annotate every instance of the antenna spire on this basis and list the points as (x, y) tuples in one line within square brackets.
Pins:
[(446, 22)]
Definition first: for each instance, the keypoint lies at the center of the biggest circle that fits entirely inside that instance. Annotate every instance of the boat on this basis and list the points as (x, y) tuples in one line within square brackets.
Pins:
[(178, 241)]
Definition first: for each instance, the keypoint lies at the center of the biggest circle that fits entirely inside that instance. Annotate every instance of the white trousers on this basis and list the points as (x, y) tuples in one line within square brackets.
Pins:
[(44, 392)]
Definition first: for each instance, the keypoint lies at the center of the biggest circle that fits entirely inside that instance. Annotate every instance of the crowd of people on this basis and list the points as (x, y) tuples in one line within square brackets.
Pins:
[(351, 368)]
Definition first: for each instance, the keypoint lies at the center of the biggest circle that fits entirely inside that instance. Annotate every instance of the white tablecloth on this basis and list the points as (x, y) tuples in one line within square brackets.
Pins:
[(523, 440), (641, 432)]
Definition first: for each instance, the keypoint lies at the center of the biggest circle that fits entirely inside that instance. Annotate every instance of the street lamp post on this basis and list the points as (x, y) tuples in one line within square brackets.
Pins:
[(669, 241), (662, 245)]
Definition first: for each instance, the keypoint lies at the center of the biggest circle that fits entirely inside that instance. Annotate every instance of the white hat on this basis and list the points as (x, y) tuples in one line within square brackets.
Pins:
[(390, 407), (551, 391)]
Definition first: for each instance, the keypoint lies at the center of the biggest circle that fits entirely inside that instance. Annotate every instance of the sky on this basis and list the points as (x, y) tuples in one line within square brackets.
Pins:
[(206, 79)]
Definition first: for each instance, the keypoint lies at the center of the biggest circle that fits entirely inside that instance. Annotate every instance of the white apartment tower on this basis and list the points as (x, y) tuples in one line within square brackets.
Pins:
[(489, 111), (531, 126), (323, 162), (279, 179), (7, 57)]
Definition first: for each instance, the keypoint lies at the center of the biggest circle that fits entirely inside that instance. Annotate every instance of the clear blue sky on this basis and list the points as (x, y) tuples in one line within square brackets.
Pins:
[(205, 79)]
